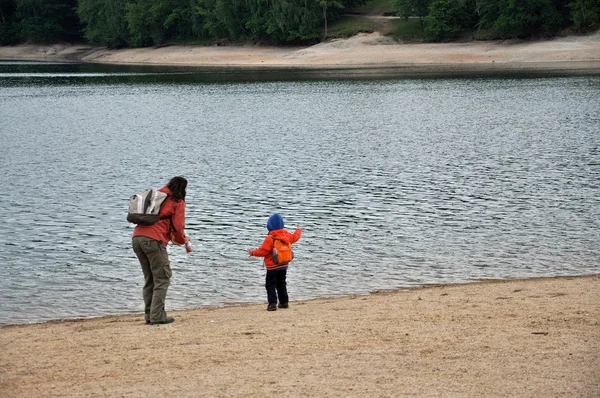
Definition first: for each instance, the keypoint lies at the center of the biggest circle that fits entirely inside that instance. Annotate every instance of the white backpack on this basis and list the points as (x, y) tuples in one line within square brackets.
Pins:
[(144, 207)]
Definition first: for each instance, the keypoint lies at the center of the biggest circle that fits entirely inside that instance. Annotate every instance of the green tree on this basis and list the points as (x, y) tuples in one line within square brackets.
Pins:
[(289, 21), (45, 21), (139, 21), (117, 33), (522, 18), (8, 34), (447, 18), (184, 22), (487, 12), (325, 4), (409, 8), (296, 21), (585, 15), (104, 22), (563, 7), (259, 20), (154, 22), (222, 18), (527, 18), (92, 14)]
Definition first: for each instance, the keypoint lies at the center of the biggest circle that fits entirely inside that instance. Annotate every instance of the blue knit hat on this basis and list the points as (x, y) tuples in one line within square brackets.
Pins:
[(275, 222)]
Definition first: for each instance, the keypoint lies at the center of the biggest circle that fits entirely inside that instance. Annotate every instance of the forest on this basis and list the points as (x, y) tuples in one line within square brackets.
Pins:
[(143, 23)]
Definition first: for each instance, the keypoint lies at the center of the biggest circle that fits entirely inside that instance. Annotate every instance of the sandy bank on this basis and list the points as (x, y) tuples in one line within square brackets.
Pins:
[(530, 338), (362, 51)]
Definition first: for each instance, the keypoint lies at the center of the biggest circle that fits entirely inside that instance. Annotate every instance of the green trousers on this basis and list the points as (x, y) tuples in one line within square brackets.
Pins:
[(157, 274)]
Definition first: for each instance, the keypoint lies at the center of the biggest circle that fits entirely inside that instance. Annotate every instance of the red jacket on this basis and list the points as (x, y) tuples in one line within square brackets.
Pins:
[(162, 230), (267, 246)]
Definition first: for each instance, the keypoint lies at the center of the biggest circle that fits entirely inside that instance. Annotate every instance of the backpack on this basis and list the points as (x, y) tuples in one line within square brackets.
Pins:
[(144, 207), (282, 251)]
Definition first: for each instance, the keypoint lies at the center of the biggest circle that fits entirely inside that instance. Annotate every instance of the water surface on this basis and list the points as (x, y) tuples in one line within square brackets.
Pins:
[(398, 180)]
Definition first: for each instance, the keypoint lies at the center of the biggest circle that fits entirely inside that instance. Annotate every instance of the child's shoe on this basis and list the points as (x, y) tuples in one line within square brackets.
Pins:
[(283, 305), (272, 307)]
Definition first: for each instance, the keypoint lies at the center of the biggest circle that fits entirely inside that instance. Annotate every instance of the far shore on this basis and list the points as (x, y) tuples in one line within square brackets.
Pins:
[(364, 51), (517, 338)]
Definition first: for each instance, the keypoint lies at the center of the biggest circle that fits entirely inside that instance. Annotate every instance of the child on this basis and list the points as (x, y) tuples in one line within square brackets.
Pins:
[(276, 273)]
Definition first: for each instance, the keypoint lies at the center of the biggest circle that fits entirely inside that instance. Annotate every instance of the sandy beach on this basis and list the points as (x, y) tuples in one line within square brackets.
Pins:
[(362, 51), (520, 338)]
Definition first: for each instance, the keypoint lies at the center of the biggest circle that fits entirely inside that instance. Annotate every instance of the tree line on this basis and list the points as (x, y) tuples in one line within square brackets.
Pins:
[(140, 23), (501, 19)]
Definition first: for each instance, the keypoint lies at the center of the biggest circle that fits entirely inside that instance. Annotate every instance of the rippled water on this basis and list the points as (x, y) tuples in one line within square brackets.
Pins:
[(397, 181)]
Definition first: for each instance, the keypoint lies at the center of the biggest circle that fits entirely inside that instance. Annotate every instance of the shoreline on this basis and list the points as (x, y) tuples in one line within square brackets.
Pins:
[(518, 337), (305, 300), (364, 51)]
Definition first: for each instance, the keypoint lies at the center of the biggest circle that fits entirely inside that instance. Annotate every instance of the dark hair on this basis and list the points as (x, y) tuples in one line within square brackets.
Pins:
[(177, 185)]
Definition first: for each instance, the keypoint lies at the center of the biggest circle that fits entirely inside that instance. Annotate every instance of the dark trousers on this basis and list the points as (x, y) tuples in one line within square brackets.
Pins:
[(276, 286), (154, 260)]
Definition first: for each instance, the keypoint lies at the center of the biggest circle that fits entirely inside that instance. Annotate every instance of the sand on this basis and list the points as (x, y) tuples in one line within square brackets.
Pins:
[(520, 338), (362, 51)]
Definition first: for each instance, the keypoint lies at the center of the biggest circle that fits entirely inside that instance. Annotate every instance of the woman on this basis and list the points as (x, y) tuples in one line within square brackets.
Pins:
[(150, 246)]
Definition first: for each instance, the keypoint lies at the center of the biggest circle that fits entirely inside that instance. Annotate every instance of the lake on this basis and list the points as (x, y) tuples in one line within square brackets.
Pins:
[(398, 179)]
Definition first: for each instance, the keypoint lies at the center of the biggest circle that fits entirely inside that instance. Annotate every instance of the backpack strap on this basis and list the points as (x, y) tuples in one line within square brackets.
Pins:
[(172, 227)]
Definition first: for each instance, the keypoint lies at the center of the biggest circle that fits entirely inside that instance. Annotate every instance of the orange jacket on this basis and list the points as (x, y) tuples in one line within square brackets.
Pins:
[(267, 246), (162, 230)]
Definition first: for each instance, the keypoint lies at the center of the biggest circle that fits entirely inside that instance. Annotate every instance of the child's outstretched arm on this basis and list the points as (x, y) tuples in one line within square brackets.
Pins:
[(264, 250), (296, 235)]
